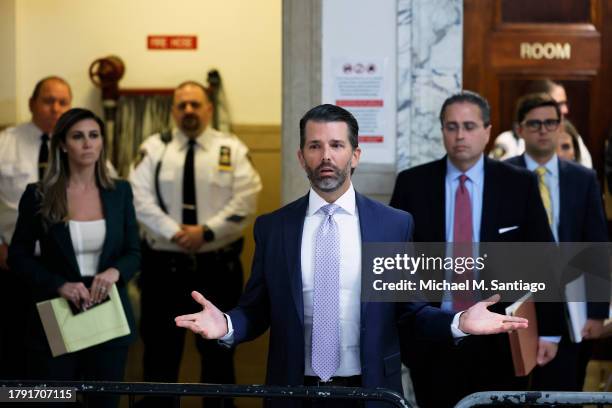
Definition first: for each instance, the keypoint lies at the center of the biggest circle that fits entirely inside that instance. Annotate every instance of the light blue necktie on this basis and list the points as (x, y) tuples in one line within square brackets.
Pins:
[(326, 298)]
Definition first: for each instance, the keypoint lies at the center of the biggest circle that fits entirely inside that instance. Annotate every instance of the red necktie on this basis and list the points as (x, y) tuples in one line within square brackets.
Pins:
[(462, 236)]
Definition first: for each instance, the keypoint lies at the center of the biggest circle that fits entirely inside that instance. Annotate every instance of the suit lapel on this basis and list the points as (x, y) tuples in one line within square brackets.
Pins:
[(109, 211), (293, 227), (520, 161), (437, 202), (565, 200), (61, 234), (369, 233), (489, 202)]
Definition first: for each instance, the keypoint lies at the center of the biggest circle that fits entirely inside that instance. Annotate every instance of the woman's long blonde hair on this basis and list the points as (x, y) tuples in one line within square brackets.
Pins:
[(54, 203)]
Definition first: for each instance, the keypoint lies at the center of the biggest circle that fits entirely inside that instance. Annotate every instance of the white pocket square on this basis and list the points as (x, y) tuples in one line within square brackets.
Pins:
[(504, 230)]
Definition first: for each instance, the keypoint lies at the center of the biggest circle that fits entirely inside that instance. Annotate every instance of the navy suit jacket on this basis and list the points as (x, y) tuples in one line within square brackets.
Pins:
[(273, 298), (581, 213), (57, 263), (510, 198)]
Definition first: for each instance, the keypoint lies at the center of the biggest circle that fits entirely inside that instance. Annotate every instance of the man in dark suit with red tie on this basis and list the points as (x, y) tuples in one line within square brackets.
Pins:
[(466, 197)]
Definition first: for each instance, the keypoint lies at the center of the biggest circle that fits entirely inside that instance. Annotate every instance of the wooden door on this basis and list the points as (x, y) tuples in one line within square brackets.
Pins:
[(507, 43)]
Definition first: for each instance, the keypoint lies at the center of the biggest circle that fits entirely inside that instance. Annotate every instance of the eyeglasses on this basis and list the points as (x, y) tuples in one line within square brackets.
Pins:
[(535, 125)]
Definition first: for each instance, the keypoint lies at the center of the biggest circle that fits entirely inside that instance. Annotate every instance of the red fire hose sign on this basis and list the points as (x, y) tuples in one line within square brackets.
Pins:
[(172, 42)]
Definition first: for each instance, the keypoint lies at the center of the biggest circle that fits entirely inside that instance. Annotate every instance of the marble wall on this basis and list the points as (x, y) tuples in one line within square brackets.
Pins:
[(429, 64), (429, 52)]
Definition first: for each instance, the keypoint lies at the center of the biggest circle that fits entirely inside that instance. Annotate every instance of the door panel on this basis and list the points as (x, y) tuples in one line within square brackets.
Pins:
[(507, 43), (545, 11)]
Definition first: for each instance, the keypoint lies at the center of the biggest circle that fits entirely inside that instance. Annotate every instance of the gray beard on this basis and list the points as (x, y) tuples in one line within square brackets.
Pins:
[(328, 184)]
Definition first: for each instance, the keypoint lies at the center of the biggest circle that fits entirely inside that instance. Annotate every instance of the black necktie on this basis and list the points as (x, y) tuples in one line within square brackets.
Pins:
[(43, 155), (190, 214)]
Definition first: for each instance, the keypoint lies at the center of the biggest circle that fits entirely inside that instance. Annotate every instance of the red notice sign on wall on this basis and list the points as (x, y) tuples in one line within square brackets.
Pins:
[(172, 42)]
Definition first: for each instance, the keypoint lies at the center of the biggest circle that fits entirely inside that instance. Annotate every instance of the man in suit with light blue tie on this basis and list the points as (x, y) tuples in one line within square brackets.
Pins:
[(572, 199), (305, 282)]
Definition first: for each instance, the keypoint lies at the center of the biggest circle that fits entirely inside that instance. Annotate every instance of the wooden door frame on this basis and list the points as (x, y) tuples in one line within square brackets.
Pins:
[(483, 17)]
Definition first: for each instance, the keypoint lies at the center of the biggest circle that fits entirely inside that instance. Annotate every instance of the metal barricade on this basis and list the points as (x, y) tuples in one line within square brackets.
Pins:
[(535, 398), (85, 388)]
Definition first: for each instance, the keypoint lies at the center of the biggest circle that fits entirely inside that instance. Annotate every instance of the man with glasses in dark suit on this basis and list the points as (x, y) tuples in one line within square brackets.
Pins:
[(572, 199)]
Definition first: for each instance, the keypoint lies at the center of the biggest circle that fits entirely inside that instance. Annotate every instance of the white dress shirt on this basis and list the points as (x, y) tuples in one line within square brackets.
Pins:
[(226, 195), (19, 149), (347, 218)]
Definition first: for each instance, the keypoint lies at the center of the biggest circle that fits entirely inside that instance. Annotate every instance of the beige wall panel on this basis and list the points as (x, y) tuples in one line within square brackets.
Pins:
[(240, 38)]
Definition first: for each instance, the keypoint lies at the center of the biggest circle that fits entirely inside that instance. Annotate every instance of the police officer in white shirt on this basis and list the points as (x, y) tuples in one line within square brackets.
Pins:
[(195, 191), (24, 153), (21, 148)]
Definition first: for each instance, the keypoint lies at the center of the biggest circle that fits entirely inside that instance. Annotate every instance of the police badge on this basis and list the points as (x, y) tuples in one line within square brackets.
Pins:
[(225, 158)]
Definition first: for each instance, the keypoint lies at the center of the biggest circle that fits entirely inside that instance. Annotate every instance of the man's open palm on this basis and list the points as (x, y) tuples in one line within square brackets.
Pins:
[(210, 323), (480, 320)]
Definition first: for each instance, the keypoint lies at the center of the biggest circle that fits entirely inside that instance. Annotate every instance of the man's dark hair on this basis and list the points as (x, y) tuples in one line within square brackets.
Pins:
[(468, 97), (330, 113), (529, 102), (40, 84)]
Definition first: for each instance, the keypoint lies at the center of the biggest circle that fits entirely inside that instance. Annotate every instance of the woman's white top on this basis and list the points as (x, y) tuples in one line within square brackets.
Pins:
[(87, 241)]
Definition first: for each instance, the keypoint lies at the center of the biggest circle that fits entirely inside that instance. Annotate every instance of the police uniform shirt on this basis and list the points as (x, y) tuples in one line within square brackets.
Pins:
[(506, 146), (225, 181), (19, 149)]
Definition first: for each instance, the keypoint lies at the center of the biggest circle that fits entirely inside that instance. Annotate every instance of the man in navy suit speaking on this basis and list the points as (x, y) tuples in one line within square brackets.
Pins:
[(305, 282)]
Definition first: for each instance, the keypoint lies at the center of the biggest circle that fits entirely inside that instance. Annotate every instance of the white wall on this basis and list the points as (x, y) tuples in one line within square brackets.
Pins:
[(240, 38), (363, 31)]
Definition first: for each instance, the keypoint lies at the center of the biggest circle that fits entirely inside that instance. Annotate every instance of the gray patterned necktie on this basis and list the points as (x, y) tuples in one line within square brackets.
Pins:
[(326, 298)]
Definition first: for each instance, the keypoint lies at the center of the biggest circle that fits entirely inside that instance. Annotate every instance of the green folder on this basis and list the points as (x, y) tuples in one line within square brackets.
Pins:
[(67, 332)]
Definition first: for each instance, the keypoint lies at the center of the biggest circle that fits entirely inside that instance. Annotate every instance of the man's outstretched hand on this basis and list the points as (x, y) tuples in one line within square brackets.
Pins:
[(210, 323), (478, 319)]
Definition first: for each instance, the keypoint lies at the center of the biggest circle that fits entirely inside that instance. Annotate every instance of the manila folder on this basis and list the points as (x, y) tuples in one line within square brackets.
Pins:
[(68, 332)]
